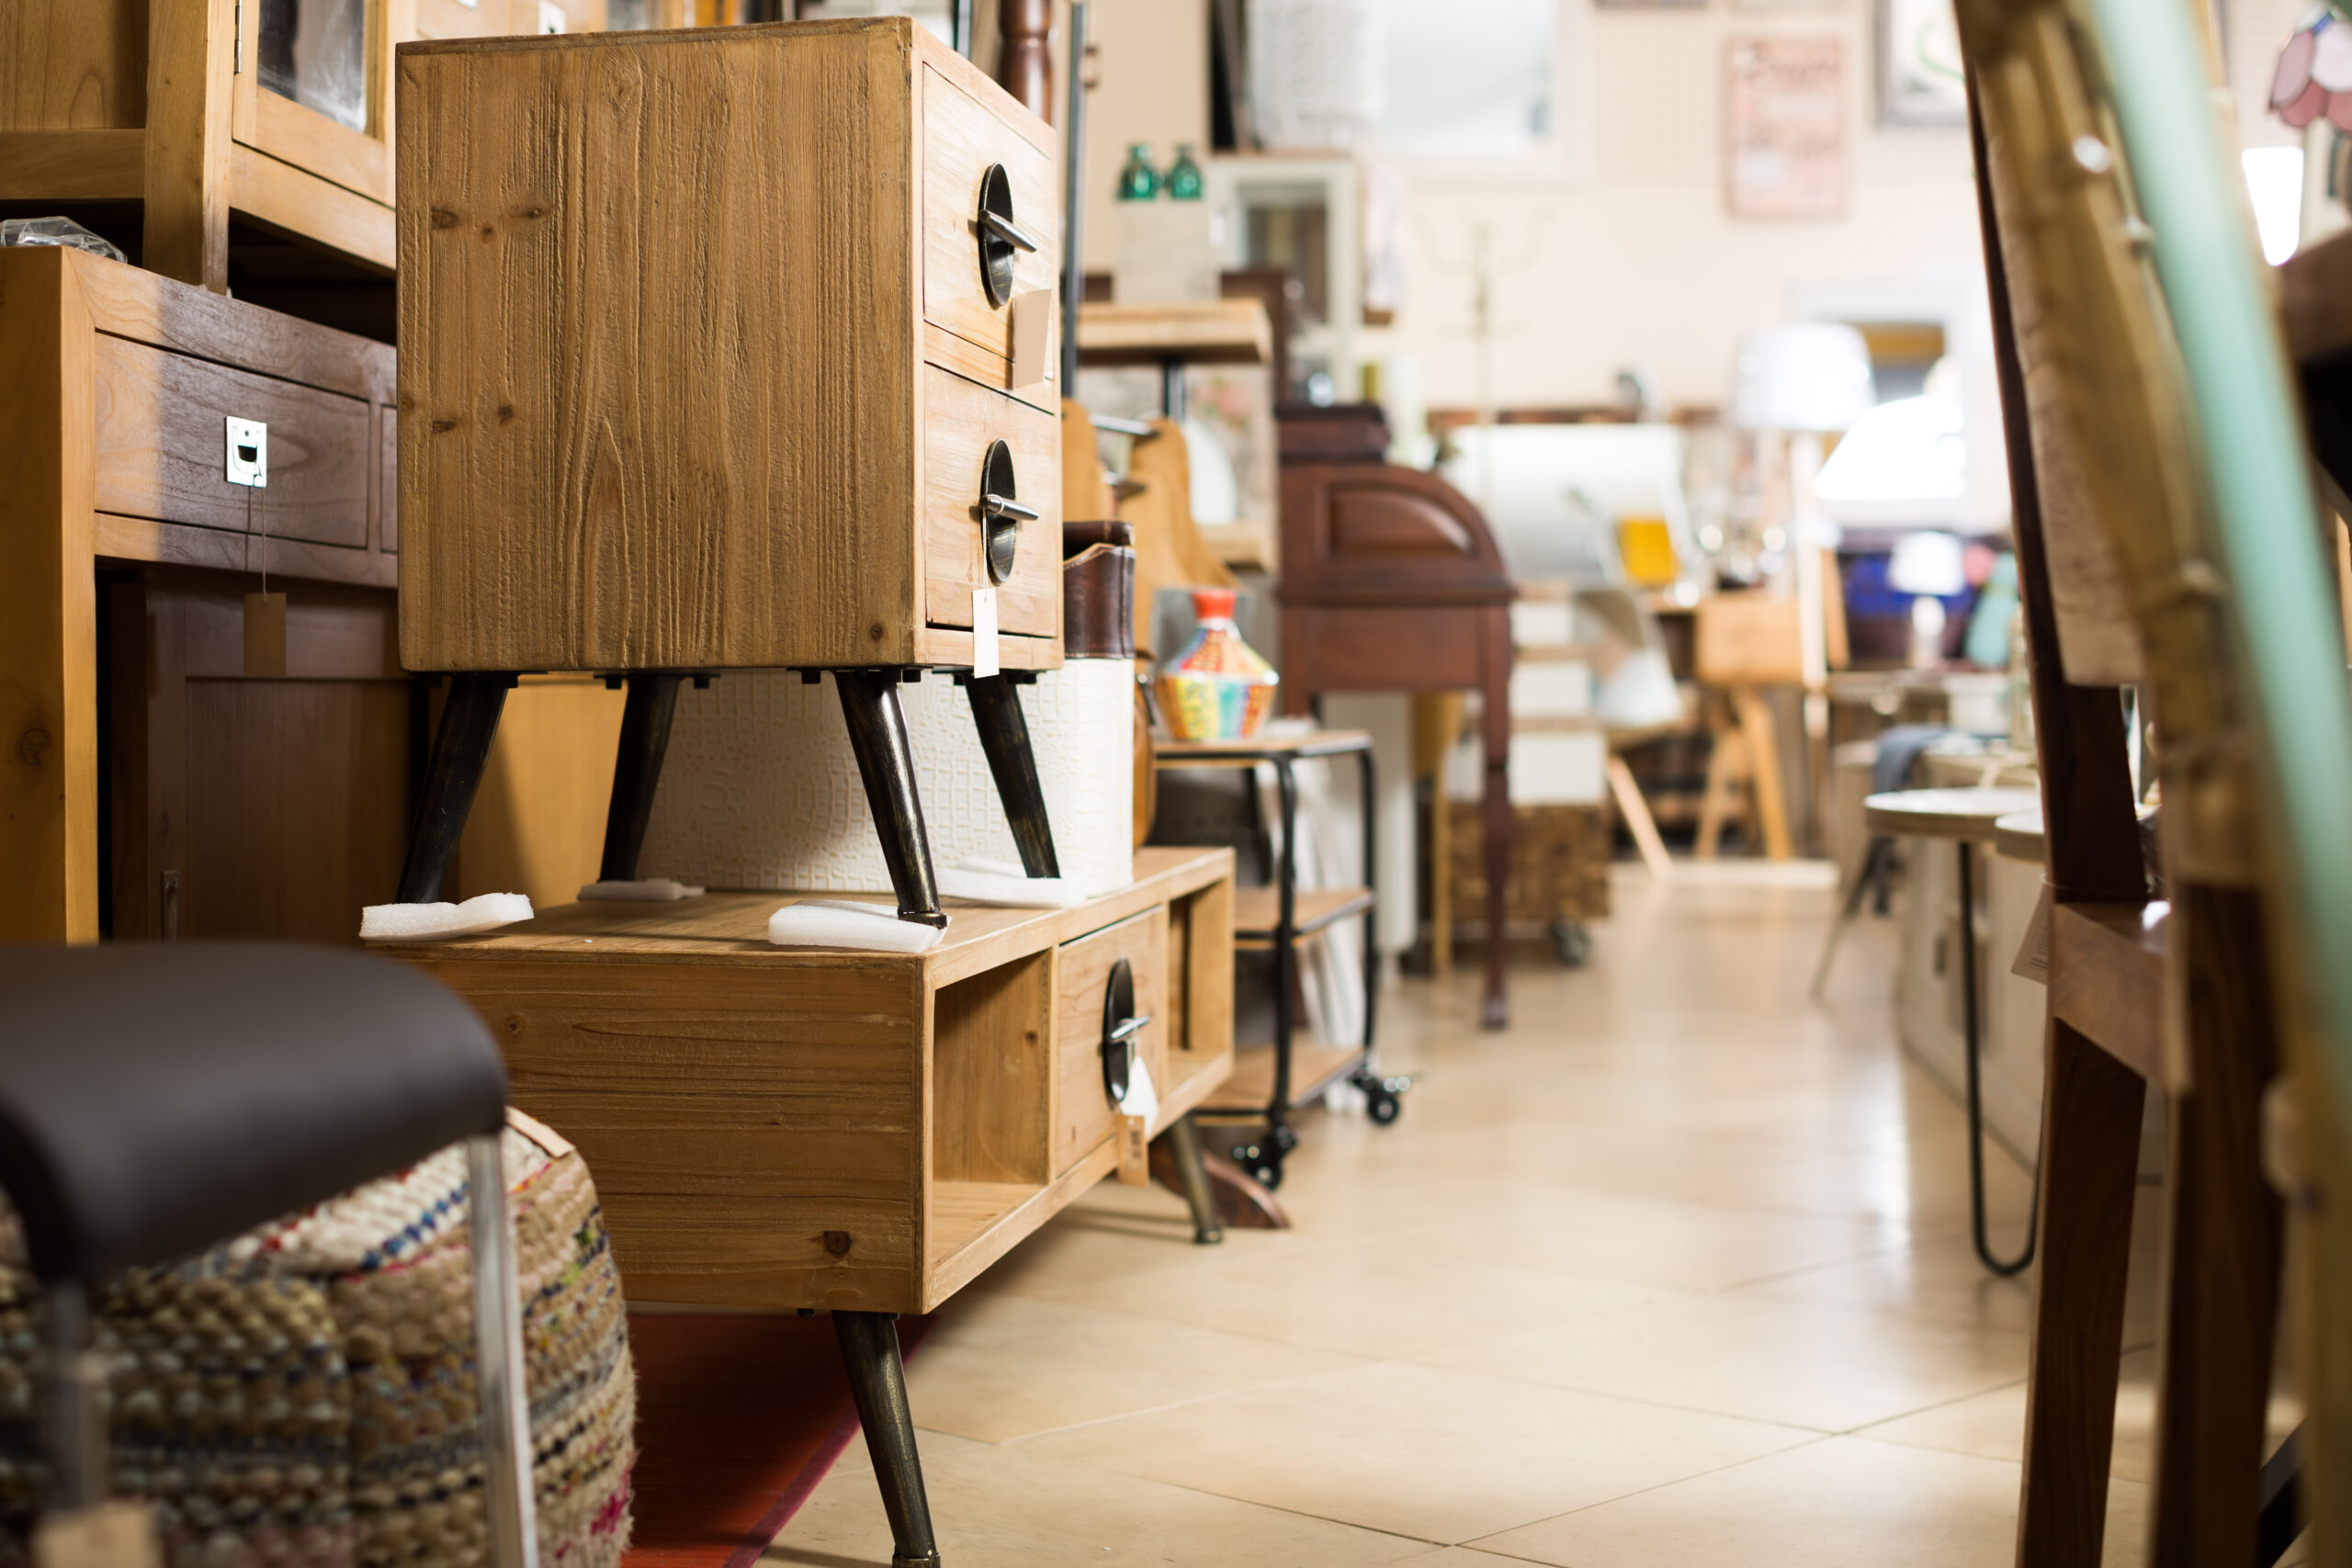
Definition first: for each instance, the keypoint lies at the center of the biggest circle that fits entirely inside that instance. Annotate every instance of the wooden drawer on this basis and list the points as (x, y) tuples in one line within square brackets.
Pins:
[(1084, 1114), (161, 444), (961, 421), (961, 140)]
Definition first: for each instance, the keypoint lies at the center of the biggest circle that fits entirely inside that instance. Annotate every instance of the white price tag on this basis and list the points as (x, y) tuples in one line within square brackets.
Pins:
[(1032, 324), (984, 656)]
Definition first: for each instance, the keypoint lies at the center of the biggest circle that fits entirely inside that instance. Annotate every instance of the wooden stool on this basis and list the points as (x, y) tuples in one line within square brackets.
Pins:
[(1965, 818)]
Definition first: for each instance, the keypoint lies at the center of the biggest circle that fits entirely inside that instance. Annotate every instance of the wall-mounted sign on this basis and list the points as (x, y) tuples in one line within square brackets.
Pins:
[(1785, 127)]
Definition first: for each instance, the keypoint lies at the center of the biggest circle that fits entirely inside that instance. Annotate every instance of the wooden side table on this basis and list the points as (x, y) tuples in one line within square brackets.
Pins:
[(793, 1129), (1270, 1082)]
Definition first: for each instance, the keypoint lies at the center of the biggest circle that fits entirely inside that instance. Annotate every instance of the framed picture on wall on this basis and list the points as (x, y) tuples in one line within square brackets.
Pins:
[(1784, 125), (1920, 78)]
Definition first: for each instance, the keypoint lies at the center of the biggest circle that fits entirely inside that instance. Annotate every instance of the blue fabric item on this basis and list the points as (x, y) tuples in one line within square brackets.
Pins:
[(1898, 752)]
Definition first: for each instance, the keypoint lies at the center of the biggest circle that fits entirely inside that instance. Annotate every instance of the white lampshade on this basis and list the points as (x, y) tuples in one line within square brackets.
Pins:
[(1927, 563), (1806, 375)]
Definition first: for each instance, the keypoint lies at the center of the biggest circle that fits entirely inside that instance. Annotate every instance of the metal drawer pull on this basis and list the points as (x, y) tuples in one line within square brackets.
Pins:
[(1121, 1024), (1001, 515), (997, 223), (1000, 236)]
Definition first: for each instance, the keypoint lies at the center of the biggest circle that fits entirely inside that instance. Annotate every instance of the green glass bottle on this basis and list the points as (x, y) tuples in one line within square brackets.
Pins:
[(1185, 175), (1138, 181)]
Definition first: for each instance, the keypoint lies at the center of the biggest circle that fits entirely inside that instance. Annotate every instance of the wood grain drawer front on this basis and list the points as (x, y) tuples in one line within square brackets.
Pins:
[(961, 421), (962, 140), (1084, 1114), (162, 442)]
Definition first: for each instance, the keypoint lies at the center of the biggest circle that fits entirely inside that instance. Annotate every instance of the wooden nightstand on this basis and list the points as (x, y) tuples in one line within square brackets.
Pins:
[(707, 364)]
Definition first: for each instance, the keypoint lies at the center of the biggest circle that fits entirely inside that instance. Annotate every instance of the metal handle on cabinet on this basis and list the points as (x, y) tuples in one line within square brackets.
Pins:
[(1004, 228), (1001, 515), (1121, 1024)]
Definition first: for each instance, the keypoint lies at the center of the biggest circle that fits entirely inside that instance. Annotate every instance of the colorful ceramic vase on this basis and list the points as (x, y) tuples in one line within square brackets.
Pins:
[(1217, 688)]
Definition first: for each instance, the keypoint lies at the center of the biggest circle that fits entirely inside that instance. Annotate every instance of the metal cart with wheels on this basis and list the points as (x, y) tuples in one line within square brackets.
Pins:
[(1270, 1082)]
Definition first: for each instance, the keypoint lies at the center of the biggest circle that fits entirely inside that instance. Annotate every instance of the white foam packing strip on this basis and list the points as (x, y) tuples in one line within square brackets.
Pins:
[(422, 922), (1004, 884), (760, 789), (644, 890), (857, 928)]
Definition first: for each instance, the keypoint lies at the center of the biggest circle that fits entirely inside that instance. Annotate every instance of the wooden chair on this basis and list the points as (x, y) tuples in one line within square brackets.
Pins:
[(2153, 446), (1745, 642)]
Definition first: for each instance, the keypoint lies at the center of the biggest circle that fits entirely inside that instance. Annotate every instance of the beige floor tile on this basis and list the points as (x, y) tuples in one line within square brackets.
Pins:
[(1000, 1366), (1444, 1456), (1375, 1298), (1007, 1507), (1830, 1369), (1936, 1278), (1835, 1503)]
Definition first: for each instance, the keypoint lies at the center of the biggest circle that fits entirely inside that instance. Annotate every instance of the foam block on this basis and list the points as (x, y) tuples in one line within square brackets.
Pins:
[(423, 922), (645, 890), (858, 928)]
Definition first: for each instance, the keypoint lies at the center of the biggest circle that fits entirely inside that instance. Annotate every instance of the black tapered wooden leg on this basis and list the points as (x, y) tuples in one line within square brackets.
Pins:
[(877, 1381), (877, 734), (460, 752), (1004, 737), (636, 771)]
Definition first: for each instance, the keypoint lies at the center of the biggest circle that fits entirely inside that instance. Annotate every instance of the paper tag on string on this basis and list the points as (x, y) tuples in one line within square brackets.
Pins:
[(120, 1534), (264, 634), (2033, 960), (984, 654), (1033, 331), (1136, 1109)]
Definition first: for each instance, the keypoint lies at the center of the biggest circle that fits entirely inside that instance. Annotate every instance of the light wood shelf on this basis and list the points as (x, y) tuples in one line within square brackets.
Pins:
[(1255, 911), (1314, 1067)]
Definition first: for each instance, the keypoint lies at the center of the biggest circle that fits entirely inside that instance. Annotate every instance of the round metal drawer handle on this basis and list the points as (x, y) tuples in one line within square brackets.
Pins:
[(999, 235), (1001, 515), (1121, 1024)]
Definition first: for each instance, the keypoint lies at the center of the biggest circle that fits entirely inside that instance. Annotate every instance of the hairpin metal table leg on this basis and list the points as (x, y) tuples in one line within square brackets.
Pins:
[(1970, 1031)]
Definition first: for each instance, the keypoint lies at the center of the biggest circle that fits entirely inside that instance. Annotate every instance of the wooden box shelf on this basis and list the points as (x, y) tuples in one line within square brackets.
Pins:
[(706, 356), (859, 1131)]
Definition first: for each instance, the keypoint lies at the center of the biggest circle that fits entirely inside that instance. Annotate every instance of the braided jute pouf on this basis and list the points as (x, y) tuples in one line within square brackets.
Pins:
[(305, 1395)]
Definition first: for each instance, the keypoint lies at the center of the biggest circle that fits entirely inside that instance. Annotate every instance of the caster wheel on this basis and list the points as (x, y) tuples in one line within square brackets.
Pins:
[(1381, 1106), (1573, 942), (1262, 1161)]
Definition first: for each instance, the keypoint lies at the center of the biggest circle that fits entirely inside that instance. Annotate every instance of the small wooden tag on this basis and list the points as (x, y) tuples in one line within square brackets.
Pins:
[(1135, 1150), (264, 634), (120, 1534), (984, 649), (1032, 324)]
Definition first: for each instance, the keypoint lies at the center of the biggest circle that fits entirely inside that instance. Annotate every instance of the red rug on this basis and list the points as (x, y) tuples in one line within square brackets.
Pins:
[(738, 1418)]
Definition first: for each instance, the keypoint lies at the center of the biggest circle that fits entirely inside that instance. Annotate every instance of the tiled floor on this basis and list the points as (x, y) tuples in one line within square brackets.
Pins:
[(1673, 1272)]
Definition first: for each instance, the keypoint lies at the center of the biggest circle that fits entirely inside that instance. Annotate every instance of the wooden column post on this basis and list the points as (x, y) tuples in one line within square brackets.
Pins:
[(191, 58), (1026, 65), (49, 703)]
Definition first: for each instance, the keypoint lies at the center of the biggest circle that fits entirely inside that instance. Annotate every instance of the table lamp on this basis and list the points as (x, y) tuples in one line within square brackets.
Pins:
[(1805, 379), (1934, 567)]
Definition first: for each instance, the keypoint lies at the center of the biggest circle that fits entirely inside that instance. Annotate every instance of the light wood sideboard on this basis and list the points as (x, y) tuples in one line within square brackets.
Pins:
[(777, 1129)]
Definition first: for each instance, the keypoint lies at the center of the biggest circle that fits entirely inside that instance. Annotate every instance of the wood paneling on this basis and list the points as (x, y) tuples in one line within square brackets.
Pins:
[(161, 448), (757, 500), (80, 66), (73, 165), (960, 422), (293, 198)]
